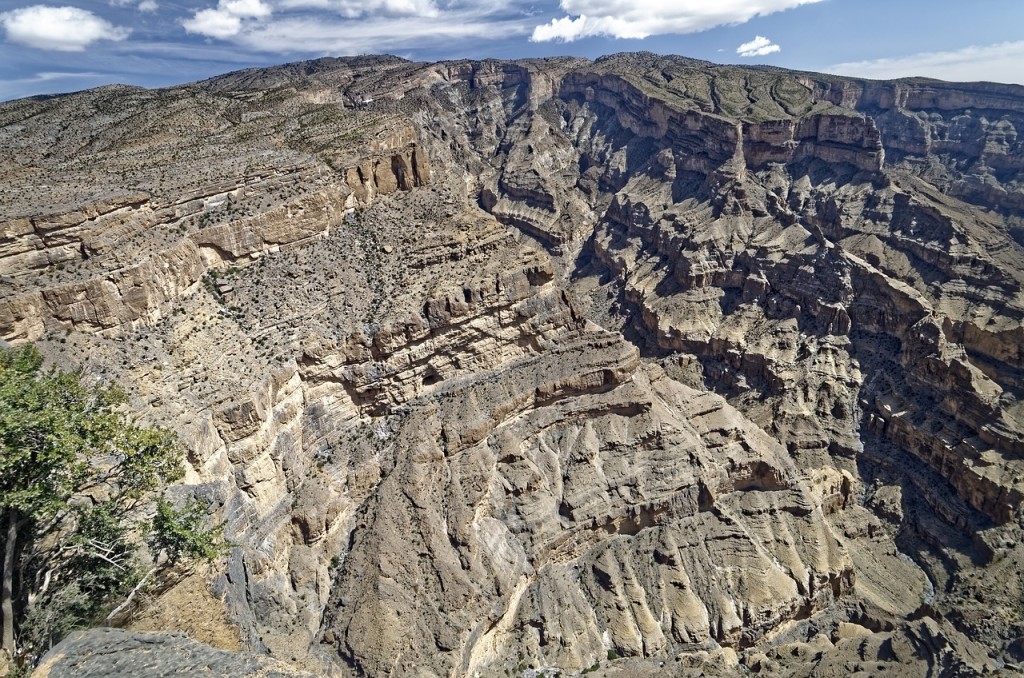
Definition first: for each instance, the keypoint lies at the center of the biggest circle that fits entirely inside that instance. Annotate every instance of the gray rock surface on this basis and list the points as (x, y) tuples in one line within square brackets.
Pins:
[(113, 653)]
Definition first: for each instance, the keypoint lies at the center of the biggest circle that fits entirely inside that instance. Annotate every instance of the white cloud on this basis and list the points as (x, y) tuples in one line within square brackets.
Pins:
[(997, 63), (360, 8), (245, 8), (11, 89), (759, 46), (143, 6), (47, 76), (354, 26), (67, 29), (213, 23), (642, 18), (345, 36), (232, 19), (226, 19)]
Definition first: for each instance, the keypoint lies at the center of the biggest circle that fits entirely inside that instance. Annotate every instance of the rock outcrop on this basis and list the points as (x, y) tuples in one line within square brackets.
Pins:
[(112, 652)]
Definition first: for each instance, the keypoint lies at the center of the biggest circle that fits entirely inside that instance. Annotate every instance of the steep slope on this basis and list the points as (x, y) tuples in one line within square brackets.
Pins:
[(499, 365)]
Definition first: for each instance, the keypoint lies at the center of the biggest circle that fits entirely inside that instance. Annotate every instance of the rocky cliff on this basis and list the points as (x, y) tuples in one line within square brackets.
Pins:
[(643, 365)]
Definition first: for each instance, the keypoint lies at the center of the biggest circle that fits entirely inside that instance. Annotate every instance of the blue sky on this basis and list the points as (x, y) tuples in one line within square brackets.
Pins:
[(69, 45)]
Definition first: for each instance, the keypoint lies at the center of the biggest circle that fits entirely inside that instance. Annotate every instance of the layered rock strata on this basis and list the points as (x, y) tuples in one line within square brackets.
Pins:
[(493, 367)]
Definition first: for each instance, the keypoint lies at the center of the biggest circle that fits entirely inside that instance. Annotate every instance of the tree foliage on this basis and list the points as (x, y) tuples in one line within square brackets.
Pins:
[(182, 533), (59, 435), (74, 471)]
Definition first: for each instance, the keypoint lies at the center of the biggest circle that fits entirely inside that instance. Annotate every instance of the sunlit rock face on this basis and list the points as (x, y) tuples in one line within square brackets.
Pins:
[(644, 365)]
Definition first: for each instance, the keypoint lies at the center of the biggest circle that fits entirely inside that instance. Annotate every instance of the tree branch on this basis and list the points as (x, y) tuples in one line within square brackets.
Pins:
[(97, 554), (131, 596)]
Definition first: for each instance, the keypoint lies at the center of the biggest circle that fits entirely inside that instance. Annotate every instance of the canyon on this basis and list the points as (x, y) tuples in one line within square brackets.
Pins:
[(635, 366)]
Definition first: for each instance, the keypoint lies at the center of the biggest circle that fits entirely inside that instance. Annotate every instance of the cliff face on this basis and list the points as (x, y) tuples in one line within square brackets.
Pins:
[(490, 366)]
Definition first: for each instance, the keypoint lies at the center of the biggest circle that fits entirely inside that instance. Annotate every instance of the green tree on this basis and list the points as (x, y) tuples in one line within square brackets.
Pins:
[(182, 533), (60, 439)]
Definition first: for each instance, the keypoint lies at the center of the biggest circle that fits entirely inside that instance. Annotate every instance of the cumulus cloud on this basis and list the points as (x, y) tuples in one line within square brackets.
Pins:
[(148, 6), (759, 46), (997, 63), (213, 23), (226, 19), (67, 29), (643, 18)]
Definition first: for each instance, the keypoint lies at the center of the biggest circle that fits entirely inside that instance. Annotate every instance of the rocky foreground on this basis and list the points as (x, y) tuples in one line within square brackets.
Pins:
[(642, 366)]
